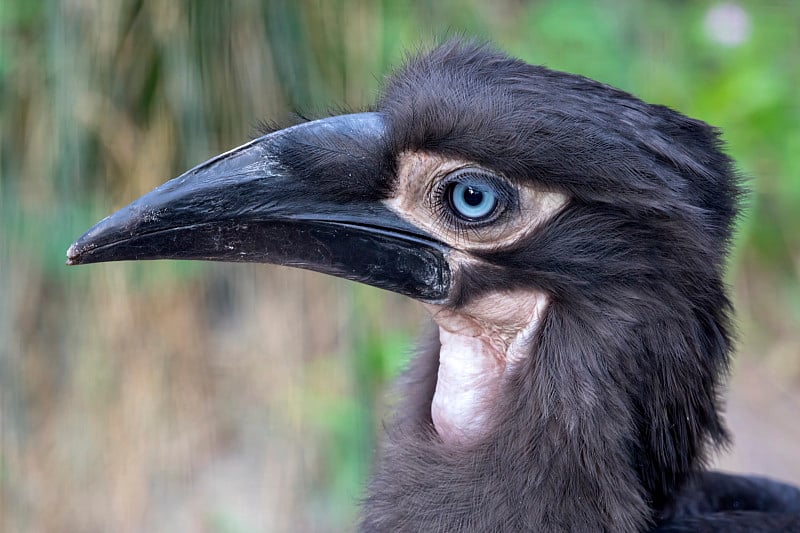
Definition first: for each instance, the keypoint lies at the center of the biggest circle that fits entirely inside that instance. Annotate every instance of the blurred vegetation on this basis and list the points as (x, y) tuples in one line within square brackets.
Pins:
[(181, 396)]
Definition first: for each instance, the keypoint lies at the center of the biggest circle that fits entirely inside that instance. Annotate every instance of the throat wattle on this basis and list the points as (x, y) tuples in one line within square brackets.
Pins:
[(480, 345), (470, 371)]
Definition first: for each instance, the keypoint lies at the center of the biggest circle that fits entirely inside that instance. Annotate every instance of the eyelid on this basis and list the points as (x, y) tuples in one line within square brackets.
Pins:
[(505, 192)]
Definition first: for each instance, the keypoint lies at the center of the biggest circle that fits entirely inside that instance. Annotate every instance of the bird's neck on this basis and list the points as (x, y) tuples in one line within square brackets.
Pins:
[(582, 435)]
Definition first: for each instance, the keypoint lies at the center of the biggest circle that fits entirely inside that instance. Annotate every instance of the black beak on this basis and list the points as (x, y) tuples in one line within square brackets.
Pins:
[(297, 197)]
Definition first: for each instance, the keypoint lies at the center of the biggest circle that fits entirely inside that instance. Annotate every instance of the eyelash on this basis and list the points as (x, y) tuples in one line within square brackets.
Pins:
[(506, 200)]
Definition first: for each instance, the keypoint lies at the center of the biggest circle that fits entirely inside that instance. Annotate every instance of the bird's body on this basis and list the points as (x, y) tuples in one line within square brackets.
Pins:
[(568, 240)]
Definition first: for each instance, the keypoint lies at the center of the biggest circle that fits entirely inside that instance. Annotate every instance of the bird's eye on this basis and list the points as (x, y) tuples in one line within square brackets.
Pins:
[(472, 201), (474, 196)]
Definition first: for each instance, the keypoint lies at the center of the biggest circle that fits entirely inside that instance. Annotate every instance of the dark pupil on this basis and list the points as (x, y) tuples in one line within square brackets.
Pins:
[(473, 196)]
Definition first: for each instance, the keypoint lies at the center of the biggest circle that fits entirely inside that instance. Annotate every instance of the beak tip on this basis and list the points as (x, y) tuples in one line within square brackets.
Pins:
[(74, 254)]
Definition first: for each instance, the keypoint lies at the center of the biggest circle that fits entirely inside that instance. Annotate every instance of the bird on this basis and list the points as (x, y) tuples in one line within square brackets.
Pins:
[(569, 242)]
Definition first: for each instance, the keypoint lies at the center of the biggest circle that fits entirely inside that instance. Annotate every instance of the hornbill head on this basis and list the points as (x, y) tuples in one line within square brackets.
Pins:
[(568, 240)]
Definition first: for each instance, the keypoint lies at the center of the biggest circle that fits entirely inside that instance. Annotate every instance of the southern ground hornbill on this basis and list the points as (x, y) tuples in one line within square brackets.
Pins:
[(568, 240)]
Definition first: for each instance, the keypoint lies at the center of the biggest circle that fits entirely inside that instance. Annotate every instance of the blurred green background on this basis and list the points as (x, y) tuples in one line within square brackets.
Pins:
[(172, 396)]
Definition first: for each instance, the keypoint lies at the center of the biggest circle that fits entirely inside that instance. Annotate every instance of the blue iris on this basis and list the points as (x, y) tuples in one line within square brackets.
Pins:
[(473, 202)]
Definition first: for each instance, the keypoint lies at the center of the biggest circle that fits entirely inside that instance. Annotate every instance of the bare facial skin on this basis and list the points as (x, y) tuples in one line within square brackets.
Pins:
[(482, 342), (415, 200), (480, 346)]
